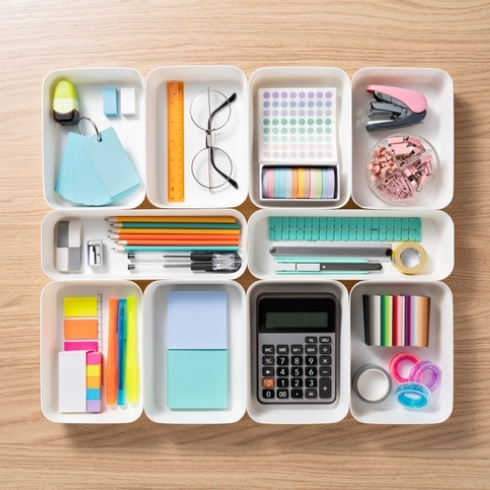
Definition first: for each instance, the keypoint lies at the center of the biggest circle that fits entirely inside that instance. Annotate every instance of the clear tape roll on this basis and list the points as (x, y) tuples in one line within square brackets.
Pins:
[(410, 258)]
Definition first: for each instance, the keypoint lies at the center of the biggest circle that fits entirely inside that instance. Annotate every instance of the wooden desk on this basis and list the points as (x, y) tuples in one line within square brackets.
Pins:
[(37, 37)]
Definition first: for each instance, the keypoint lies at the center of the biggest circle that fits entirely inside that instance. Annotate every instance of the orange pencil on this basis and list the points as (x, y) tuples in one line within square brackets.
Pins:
[(111, 368), (181, 231), (175, 236), (178, 243)]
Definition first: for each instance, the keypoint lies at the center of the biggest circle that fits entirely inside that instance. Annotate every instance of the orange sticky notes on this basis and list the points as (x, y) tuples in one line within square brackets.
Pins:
[(79, 329)]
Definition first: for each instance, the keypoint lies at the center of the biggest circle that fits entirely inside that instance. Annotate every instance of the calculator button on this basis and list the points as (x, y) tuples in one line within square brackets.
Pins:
[(268, 383), (311, 393), (283, 383), (297, 382), (296, 393), (267, 349), (267, 360), (311, 383), (267, 372), (283, 349), (296, 349), (325, 349), (267, 394), (311, 360), (297, 371), (311, 349), (282, 394), (312, 371), (311, 340), (297, 361), (325, 371), (283, 371), (325, 360), (325, 387), (325, 340), (282, 360)]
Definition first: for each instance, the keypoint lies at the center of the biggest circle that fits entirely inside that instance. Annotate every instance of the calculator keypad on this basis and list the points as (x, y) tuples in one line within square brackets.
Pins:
[(296, 368)]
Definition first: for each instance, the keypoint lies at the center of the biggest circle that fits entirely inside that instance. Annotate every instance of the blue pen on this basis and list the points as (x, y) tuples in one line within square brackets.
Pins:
[(121, 343)]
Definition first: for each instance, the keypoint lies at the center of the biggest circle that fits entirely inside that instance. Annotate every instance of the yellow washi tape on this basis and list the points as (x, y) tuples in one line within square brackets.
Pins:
[(410, 258)]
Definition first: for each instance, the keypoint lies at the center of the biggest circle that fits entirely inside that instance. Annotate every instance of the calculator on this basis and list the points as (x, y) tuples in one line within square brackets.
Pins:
[(296, 347)]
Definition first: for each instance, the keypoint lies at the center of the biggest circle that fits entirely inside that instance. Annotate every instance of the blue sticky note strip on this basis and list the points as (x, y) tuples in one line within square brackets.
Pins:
[(197, 319), (109, 100), (197, 379)]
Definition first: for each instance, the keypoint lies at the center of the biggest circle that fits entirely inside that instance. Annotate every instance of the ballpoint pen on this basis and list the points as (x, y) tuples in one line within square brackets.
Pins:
[(196, 262)]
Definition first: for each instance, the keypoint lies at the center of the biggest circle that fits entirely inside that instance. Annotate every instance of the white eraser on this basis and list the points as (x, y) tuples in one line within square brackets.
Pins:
[(127, 100), (69, 245), (72, 381)]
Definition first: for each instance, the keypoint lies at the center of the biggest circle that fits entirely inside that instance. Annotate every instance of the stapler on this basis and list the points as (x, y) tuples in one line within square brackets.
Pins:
[(395, 107)]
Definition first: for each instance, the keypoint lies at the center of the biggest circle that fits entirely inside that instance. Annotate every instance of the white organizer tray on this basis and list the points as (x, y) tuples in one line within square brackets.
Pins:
[(130, 130), (154, 339), (307, 413), (439, 351), (304, 77), (52, 343), (232, 138), (437, 128), (437, 240), (95, 226)]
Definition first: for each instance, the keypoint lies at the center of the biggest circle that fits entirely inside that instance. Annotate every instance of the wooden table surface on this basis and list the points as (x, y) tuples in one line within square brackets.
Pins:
[(37, 37)]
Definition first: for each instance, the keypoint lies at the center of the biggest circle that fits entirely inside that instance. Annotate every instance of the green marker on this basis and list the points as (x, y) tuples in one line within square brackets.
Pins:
[(66, 109)]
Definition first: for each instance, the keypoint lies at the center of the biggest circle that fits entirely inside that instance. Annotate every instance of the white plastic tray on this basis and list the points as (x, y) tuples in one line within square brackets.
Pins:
[(305, 77), (154, 338), (232, 138), (437, 127), (95, 226), (52, 343), (130, 130), (437, 240), (312, 413), (439, 351)]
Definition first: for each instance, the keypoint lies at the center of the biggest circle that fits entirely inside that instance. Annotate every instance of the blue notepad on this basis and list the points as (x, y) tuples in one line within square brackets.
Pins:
[(197, 355)]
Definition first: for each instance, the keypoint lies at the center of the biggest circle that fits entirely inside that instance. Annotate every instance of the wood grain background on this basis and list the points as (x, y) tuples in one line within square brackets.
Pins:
[(37, 37)]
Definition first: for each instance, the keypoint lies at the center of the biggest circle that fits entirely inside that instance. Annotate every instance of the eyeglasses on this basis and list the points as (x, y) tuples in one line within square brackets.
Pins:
[(212, 167)]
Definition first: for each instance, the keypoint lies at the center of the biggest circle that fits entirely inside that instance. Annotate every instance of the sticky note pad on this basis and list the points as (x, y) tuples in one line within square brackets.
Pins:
[(78, 328), (109, 100), (197, 319), (197, 379), (80, 306)]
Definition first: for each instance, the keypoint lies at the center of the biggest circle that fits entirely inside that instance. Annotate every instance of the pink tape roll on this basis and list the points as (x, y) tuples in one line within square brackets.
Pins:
[(395, 362)]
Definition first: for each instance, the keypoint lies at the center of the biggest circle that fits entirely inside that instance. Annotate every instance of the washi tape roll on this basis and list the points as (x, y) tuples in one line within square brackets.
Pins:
[(426, 373), (372, 384), (410, 258), (402, 358), (285, 182)]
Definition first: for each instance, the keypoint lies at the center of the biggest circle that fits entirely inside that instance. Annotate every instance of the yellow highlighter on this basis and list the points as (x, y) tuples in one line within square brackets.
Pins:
[(132, 369)]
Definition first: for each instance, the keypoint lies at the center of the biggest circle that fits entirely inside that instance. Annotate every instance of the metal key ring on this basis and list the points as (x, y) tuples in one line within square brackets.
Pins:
[(99, 137)]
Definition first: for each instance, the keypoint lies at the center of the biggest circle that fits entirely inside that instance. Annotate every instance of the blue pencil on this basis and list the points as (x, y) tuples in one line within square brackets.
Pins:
[(121, 358)]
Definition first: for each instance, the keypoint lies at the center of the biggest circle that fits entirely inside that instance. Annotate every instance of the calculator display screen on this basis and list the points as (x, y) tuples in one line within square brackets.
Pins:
[(296, 319), (285, 312)]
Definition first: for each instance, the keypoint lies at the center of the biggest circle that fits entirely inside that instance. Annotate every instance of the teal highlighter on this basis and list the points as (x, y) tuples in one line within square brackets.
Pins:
[(121, 344)]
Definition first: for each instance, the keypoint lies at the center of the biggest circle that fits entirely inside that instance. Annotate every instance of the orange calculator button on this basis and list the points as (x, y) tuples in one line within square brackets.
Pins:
[(268, 383)]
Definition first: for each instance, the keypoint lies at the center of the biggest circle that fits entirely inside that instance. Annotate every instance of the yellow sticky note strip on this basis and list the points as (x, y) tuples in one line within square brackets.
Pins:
[(93, 370), (80, 306)]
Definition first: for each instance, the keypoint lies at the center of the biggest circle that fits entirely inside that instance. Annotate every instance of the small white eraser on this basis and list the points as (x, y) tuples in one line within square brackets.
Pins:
[(127, 101), (68, 245), (72, 381)]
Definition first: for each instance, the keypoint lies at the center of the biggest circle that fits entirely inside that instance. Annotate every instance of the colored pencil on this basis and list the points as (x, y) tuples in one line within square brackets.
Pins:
[(183, 231), (173, 219), (191, 248), (111, 367), (174, 236), (178, 243)]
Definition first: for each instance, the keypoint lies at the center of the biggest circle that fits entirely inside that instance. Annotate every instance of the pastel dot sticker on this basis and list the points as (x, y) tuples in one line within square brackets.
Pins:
[(291, 115)]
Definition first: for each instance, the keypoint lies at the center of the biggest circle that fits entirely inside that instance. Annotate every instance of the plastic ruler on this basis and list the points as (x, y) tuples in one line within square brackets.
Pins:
[(175, 141)]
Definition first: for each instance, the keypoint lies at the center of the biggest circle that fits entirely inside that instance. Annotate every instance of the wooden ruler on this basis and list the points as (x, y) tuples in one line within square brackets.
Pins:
[(175, 141)]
